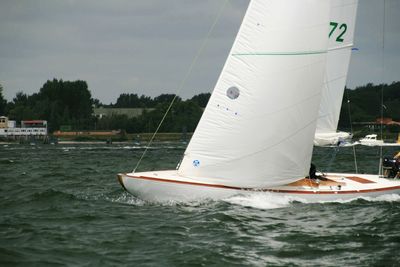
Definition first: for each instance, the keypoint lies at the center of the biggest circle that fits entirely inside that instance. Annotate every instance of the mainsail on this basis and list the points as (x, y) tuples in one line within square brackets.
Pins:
[(258, 127), (341, 35)]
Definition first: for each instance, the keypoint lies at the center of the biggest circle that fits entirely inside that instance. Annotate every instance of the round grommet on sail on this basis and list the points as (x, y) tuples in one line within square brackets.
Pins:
[(233, 92)]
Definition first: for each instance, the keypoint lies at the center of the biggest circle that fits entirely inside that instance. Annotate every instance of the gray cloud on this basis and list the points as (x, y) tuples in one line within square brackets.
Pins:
[(146, 47), (367, 64)]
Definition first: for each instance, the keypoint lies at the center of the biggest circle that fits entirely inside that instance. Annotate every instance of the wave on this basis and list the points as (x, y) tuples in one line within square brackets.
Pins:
[(262, 200), (125, 198), (265, 200), (50, 196), (7, 161), (383, 198)]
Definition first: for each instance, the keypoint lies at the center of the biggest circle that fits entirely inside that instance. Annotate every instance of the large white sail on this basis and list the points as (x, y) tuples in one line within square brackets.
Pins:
[(259, 124), (341, 35)]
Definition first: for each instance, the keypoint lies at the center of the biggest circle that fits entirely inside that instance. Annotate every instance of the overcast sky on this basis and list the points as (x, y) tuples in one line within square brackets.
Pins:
[(146, 46)]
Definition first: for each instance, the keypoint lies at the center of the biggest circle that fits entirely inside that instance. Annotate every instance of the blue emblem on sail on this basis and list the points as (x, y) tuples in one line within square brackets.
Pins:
[(196, 163)]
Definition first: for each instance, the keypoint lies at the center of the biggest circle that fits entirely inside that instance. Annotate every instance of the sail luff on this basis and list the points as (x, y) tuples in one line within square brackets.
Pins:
[(258, 127)]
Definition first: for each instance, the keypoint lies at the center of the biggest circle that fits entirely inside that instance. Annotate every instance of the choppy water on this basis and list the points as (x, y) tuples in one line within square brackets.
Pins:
[(61, 205)]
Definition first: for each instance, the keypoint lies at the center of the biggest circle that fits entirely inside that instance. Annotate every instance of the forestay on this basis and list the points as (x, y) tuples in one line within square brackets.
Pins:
[(341, 35), (258, 127)]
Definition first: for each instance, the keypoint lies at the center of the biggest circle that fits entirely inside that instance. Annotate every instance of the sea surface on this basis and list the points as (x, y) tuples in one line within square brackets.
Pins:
[(61, 205)]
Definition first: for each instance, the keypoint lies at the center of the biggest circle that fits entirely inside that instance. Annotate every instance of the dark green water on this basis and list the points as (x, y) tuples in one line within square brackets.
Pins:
[(61, 205)]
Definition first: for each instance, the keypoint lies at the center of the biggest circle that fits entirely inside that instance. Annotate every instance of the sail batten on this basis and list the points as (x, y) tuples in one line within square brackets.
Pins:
[(258, 127)]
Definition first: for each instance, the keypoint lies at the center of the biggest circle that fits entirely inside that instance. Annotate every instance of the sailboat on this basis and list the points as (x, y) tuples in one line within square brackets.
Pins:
[(257, 131), (341, 37)]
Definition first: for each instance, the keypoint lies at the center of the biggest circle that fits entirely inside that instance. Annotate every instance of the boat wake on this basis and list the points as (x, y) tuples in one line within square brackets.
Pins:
[(262, 200), (265, 200), (257, 200), (383, 198), (126, 198)]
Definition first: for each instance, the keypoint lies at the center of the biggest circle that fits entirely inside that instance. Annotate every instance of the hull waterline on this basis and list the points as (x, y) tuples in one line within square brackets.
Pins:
[(166, 186)]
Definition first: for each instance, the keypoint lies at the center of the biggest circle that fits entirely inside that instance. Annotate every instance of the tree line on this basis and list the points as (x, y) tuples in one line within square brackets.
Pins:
[(71, 103), (59, 102), (369, 102)]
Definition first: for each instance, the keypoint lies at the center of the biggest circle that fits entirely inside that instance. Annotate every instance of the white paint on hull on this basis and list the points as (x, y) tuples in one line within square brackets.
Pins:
[(164, 186)]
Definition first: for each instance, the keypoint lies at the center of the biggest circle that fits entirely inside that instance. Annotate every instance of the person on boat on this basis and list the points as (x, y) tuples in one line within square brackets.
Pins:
[(313, 170), (391, 166), (313, 174)]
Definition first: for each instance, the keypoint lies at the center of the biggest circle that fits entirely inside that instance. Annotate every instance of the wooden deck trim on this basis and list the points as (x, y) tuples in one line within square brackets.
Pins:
[(316, 182)]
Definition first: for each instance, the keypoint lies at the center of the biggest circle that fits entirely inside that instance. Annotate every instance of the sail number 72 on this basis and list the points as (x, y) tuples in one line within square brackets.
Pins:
[(342, 30)]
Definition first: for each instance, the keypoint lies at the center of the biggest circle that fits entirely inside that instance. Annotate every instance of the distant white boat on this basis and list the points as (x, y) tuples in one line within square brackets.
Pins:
[(371, 140), (257, 131)]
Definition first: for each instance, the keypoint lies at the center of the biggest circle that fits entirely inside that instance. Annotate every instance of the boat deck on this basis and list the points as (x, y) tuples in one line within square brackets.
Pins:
[(341, 183)]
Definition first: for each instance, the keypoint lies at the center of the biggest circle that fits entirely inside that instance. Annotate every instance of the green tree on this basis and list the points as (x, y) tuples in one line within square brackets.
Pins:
[(166, 98), (366, 103), (134, 101), (201, 99), (59, 102), (67, 103), (20, 108)]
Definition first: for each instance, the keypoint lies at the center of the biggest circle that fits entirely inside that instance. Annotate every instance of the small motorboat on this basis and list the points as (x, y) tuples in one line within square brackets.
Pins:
[(371, 140)]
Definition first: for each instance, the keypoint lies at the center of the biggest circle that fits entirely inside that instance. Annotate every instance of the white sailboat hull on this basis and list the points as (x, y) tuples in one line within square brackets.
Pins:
[(166, 186), (331, 139), (371, 142)]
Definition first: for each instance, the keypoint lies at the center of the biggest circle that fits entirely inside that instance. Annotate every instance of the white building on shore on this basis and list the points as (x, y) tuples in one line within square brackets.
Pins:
[(36, 128)]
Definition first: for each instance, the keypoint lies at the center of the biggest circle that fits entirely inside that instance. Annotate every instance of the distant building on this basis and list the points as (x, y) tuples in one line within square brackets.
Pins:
[(12, 124), (3, 122), (88, 133), (129, 112), (34, 124), (28, 128), (377, 123), (387, 121)]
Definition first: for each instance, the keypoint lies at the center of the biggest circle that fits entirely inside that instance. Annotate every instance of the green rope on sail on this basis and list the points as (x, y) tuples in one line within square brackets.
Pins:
[(298, 53), (183, 82)]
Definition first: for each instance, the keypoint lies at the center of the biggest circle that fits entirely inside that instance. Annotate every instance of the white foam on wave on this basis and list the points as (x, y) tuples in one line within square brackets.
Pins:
[(384, 198), (263, 200), (125, 198), (381, 198), (132, 147)]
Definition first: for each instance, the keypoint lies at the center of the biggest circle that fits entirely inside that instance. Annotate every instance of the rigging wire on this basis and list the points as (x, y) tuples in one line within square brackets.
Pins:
[(383, 84), (351, 131), (183, 82), (332, 159)]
